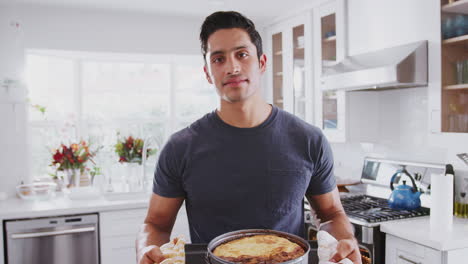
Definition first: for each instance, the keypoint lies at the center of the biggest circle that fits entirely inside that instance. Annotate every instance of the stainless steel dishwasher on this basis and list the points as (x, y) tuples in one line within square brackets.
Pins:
[(66, 239)]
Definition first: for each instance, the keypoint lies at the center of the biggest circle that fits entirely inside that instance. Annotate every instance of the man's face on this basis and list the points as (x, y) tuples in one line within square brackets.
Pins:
[(232, 64)]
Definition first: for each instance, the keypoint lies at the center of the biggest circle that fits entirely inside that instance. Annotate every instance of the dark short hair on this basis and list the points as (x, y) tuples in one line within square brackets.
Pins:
[(226, 20)]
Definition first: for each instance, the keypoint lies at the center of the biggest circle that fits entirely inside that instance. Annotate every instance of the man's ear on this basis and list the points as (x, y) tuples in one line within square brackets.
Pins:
[(262, 63), (207, 75)]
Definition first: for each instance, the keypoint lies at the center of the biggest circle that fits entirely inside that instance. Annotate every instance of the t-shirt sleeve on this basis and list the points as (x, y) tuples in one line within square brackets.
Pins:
[(323, 179), (167, 180)]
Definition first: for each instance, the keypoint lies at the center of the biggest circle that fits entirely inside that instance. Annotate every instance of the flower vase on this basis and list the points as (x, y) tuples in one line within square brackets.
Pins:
[(72, 178), (133, 177), (60, 184)]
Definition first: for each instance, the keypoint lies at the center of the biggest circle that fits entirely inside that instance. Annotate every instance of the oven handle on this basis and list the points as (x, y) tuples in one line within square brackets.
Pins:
[(53, 233), (408, 260)]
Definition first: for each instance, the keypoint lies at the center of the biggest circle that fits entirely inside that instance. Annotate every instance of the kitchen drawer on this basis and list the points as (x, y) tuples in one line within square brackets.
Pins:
[(123, 222), (120, 241), (401, 251), (124, 255)]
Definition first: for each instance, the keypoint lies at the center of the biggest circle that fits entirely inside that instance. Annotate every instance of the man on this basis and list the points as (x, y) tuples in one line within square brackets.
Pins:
[(247, 164)]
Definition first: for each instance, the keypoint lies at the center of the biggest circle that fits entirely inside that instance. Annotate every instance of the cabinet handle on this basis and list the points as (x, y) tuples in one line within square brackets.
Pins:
[(408, 260)]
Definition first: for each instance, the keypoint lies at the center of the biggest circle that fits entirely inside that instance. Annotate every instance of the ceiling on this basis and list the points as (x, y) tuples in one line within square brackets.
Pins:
[(260, 11)]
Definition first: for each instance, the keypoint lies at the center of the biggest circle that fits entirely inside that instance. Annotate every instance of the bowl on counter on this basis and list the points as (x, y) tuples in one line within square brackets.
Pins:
[(36, 191)]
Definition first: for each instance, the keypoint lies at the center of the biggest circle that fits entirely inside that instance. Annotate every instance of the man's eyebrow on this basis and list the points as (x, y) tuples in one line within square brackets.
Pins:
[(222, 51)]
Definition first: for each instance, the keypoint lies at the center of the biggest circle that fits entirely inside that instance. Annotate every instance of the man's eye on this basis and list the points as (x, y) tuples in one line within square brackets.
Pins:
[(217, 60), (243, 54)]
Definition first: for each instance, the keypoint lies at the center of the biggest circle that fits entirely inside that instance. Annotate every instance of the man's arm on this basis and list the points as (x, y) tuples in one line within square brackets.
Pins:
[(157, 228), (328, 207)]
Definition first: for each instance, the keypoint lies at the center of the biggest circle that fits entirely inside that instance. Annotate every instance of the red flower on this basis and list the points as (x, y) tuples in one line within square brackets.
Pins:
[(73, 156), (58, 156), (129, 142), (122, 159)]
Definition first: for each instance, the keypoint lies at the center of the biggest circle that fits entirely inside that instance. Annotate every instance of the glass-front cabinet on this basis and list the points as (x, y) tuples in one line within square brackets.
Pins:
[(299, 96), (454, 66), (329, 48), (328, 42), (277, 59), (290, 71)]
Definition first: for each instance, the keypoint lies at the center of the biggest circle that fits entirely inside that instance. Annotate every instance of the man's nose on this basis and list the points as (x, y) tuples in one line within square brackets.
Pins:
[(233, 67)]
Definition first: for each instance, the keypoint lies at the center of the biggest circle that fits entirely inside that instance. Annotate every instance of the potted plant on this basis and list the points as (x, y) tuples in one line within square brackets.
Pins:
[(72, 161), (130, 152)]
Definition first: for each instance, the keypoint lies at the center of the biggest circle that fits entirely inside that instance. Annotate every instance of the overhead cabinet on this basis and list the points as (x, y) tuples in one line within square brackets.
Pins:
[(300, 49), (329, 49), (290, 74), (454, 67)]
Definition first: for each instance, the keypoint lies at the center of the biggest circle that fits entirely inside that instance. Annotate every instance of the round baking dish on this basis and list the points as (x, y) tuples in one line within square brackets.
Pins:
[(212, 259)]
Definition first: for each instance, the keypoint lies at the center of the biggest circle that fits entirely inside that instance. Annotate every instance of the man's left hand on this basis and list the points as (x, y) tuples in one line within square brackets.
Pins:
[(347, 248)]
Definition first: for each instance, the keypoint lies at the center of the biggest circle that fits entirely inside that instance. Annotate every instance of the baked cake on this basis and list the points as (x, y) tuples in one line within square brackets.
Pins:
[(259, 249)]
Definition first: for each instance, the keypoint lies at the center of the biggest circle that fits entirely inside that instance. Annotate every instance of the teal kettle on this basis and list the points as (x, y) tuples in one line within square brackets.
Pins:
[(404, 197)]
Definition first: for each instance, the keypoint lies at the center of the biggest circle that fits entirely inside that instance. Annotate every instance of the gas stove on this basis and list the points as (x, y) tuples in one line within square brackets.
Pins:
[(371, 210), (367, 207)]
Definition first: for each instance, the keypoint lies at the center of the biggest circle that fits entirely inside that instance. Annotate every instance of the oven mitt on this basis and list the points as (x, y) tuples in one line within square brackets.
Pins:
[(173, 251), (327, 248)]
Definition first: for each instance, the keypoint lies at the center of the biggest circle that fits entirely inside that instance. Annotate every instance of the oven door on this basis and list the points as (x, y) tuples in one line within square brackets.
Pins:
[(68, 243)]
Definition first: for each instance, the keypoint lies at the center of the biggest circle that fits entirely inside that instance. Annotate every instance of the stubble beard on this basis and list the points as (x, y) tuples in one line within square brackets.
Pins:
[(238, 96)]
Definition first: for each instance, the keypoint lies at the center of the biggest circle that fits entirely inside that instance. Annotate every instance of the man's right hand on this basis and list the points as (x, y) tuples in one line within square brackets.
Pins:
[(150, 255)]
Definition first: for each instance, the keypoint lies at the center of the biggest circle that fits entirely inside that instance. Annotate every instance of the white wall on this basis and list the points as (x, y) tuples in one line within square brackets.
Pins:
[(45, 27), (41, 27), (395, 123)]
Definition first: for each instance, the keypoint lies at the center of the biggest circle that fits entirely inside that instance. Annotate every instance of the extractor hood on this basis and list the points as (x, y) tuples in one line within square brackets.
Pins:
[(396, 67)]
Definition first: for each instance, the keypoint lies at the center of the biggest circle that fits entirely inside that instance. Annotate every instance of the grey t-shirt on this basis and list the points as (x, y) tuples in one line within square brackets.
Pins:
[(238, 178)]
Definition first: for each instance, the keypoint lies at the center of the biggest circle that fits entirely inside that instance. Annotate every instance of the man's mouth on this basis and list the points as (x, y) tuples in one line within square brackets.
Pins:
[(234, 82)]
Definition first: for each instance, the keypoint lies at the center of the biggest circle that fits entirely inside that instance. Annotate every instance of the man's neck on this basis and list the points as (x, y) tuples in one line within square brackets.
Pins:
[(245, 114)]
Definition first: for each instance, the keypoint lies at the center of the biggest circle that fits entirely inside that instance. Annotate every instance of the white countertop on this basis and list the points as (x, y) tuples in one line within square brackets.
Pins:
[(15, 208), (418, 230)]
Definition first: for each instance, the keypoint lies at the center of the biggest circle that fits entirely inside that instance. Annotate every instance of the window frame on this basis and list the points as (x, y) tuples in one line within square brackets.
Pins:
[(169, 122)]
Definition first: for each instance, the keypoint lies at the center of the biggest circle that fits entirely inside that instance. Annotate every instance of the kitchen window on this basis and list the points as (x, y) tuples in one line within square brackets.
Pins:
[(92, 96)]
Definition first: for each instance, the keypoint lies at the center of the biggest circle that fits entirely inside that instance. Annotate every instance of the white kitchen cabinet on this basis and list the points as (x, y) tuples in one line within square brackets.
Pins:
[(118, 231), (402, 251), (329, 48), (289, 70)]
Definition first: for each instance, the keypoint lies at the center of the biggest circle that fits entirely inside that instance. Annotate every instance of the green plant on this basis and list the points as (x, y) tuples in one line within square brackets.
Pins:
[(131, 150)]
